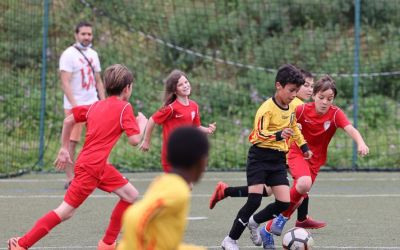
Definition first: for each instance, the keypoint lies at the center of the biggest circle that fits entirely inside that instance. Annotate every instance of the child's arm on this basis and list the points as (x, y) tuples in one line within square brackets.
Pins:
[(300, 141), (147, 135), (210, 129), (362, 148), (63, 157), (134, 140)]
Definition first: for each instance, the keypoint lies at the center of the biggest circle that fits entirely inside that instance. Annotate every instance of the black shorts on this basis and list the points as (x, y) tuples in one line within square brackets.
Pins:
[(266, 166)]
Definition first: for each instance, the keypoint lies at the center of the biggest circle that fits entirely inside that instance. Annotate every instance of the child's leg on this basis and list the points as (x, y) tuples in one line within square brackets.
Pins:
[(297, 192), (113, 181), (281, 203), (242, 218), (242, 191), (43, 226)]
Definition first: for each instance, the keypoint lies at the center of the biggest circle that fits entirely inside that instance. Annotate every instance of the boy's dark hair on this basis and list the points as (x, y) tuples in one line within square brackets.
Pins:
[(170, 83), (288, 73), (80, 25), (116, 78), (186, 147), (323, 84), (306, 74)]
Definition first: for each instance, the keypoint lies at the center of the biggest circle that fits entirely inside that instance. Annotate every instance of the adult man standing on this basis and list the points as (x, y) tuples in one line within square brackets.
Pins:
[(80, 81)]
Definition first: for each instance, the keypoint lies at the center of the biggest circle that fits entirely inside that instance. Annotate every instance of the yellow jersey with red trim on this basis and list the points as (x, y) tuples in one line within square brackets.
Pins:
[(296, 102), (158, 221), (269, 122)]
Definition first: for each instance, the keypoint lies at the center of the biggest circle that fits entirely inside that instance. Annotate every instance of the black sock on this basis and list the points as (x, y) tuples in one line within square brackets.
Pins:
[(273, 209), (242, 218), (302, 210), (242, 191)]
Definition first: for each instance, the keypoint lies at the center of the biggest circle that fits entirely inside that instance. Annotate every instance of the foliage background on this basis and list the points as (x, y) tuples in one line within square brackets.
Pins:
[(230, 50)]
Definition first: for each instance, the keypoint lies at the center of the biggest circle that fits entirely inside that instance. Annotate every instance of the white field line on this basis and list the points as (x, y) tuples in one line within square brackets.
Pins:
[(219, 247), (111, 196), (350, 179)]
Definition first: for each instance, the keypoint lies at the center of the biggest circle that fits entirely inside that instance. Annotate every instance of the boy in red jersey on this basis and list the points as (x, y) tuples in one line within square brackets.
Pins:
[(320, 120), (106, 120), (178, 110)]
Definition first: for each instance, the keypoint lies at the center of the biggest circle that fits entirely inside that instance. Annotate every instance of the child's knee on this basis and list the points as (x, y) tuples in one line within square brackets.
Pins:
[(252, 204), (303, 184)]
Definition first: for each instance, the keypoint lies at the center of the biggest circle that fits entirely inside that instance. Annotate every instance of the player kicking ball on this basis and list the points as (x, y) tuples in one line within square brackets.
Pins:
[(106, 120)]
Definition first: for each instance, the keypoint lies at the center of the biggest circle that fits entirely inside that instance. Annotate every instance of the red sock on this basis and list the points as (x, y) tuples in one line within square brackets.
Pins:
[(40, 229), (295, 200), (115, 222)]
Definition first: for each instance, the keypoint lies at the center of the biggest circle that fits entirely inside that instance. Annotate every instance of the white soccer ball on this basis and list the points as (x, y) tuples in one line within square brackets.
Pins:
[(297, 238)]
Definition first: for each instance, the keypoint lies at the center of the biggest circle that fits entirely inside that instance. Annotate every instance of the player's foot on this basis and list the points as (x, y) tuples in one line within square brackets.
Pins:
[(267, 239), (278, 224), (254, 232), (218, 194), (13, 244), (104, 246), (229, 244), (309, 223)]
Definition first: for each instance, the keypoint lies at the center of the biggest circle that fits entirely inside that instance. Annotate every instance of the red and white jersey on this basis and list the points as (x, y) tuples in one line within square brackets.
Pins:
[(318, 130), (173, 116), (83, 82), (105, 122)]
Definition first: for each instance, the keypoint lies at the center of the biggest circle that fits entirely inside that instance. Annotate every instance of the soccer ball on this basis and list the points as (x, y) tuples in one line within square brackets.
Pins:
[(297, 238)]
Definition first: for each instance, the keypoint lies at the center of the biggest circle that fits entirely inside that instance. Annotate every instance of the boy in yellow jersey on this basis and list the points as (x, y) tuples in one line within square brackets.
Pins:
[(274, 124), (158, 221), (223, 190)]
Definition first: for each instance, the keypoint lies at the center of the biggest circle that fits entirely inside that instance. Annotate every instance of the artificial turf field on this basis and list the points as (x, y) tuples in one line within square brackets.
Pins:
[(361, 209)]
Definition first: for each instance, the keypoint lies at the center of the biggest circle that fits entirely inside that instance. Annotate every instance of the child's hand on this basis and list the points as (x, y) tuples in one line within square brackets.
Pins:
[(362, 150), (144, 146), (63, 159), (308, 154), (212, 127), (287, 133)]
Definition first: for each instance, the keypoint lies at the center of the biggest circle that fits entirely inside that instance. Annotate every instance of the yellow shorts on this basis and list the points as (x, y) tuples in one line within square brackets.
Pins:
[(77, 130)]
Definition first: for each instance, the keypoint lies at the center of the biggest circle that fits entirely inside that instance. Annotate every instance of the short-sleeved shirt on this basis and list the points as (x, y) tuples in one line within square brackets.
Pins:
[(83, 81), (318, 130), (158, 221), (105, 122), (269, 121), (173, 116)]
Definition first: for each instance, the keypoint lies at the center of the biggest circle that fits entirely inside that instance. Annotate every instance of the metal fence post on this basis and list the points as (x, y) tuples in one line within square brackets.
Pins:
[(43, 80), (356, 74)]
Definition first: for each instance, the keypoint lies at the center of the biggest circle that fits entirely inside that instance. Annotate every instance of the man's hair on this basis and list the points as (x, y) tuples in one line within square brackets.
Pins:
[(323, 84), (288, 73), (80, 25), (116, 78), (186, 147)]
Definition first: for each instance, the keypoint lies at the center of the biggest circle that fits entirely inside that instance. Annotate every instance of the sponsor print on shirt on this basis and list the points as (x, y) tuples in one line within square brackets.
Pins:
[(87, 76)]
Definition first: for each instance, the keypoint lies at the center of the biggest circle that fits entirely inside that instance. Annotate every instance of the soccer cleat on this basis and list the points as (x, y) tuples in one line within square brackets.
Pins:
[(309, 223), (218, 194), (278, 223), (104, 246), (13, 244), (229, 244), (254, 232), (267, 239)]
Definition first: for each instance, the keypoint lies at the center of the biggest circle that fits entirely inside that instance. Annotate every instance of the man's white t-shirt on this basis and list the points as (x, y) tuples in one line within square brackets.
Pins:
[(83, 82)]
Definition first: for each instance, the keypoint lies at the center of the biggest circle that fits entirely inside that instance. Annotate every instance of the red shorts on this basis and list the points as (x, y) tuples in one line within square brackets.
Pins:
[(84, 184), (298, 167)]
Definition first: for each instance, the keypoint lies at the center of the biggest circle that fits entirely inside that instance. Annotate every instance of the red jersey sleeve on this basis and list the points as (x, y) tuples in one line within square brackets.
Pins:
[(163, 114), (196, 120), (341, 119), (128, 121), (80, 112)]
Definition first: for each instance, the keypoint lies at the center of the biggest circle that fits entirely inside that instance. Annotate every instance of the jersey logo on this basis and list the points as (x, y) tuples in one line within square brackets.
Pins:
[(327, 124), (193, 115), (178, 116), (307, 121), (284, 117)]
